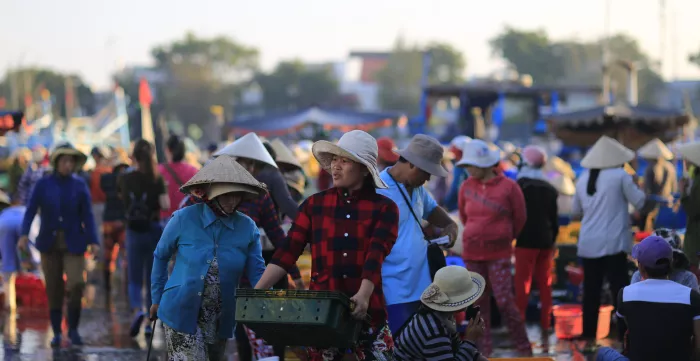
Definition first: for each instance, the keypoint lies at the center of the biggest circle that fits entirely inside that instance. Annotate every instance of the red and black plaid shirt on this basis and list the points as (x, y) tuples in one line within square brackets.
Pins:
[(262, 211), (350, 235)]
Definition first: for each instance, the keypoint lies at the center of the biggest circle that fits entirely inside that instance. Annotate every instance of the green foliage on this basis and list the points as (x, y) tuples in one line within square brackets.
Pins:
[(293, 85), (552, 62), (32, 80), (400, 80)]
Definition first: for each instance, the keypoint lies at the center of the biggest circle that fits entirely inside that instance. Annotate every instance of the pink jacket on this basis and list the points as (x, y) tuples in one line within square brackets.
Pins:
[(493, 214)]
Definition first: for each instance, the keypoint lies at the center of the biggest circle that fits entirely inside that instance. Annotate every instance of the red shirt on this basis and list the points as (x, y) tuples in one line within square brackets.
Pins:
[(493, 214), (350, 235), (183, 171), (98, 196)]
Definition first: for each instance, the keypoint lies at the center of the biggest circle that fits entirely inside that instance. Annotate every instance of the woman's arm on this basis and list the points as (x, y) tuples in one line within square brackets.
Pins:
[(280, 194), (255, 264), (167, 246), (462, 202), (517, 200), (32, 208), (384, 235), (288, 252), (633, 194), (270, 222), (86, 214)]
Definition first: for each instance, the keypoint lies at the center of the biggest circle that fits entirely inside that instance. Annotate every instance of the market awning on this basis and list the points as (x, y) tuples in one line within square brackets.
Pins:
[(617, 114), (10, 120), (344, 120)]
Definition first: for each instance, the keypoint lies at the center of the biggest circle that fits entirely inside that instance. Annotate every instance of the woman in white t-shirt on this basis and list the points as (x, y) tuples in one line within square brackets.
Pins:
[(603, 194)]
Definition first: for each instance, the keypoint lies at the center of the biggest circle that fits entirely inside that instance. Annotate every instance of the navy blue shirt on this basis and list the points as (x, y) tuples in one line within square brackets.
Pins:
[(63, 204)]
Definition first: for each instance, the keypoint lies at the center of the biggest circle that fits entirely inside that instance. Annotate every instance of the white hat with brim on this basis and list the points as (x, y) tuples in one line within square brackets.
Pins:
[(248, 146), (295, 179), (454, 289), (655, 149), (284, 154), (690, 152), (68, 149), (479, 154), (223, 175), (356, 145), (607, 153)]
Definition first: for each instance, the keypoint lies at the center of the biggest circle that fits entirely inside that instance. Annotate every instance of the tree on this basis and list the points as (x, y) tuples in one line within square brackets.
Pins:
[(202, 73), (33, 80), (400, 80), (573, 62), (293, 85)]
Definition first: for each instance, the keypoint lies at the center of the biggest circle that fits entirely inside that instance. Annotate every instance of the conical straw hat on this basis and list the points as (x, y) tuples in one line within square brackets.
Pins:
[(655, 149), (223, 169), (284, 154), (563, 184), (248, 146), (607, 153), (690, 152), (556, 164)]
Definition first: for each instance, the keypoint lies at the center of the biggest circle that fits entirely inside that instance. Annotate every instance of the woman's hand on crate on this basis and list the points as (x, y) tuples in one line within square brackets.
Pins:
[(360, 300), (153, 312), (299, 284)]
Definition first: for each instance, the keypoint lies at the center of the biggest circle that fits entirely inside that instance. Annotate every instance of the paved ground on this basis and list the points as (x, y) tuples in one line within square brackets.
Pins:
[(104, 328)]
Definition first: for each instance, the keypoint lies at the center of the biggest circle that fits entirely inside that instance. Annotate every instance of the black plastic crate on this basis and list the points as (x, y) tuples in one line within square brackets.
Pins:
[(298, 318)]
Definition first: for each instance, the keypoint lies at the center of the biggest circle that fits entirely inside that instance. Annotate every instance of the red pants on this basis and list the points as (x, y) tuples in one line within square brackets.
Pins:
[(499, 281), (535, 262)]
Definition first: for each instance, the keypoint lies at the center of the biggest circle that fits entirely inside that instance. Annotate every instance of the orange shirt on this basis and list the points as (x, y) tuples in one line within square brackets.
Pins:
[(98, 196)]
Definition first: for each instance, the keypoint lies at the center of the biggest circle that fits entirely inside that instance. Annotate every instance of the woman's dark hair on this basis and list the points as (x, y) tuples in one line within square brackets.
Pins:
[(592, 179), (662, 270), (176, 146), (143, 155)]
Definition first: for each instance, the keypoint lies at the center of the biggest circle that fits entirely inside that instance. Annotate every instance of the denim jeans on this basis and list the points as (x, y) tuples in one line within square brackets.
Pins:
[(139, 255)]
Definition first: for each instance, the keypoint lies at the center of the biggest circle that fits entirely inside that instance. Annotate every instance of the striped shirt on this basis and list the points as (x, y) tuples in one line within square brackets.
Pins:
[(425, 337)]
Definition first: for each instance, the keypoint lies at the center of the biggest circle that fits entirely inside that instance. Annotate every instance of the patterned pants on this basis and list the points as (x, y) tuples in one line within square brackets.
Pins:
[(499, 282), (184, 347), (375, 344)]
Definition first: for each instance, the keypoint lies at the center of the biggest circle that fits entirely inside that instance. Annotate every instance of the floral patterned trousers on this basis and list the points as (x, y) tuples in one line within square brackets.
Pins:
[(499, 282), (375, 344)]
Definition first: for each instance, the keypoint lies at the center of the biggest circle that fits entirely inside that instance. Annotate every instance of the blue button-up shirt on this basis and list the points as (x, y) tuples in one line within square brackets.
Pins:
[(405, 273), (196, 235), (64, 205)]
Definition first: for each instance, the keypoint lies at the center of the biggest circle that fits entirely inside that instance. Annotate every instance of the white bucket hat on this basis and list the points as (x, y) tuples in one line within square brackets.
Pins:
[(356, 145), (454, 289), (248, 146), (479, 154), (223, 175), (284, 154), (655, 149), (690, 152), (607, 153)]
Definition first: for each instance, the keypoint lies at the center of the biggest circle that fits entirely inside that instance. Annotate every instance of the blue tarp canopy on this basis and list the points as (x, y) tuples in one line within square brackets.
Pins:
[(617, 114), (281, 123)]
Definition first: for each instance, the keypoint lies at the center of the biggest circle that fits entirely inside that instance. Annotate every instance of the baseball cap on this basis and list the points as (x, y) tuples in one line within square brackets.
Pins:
[(651, 250)]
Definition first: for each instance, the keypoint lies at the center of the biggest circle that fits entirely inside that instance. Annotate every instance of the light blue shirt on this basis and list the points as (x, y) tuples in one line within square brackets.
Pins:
[(196, 235), (405, 273)]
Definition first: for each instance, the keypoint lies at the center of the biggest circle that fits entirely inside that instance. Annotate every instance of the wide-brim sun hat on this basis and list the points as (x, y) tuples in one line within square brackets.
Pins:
[(563, 184), (479, 154), (223, 175), (284, 154), (655, 149), (607, 153), (454, 288), (295, 180), (690, 152), (426, 153), (68, 149), (248, 146), (356, 145)]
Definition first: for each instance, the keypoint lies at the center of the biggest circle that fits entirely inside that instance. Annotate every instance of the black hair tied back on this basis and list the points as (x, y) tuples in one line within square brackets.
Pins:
[(592, 180)]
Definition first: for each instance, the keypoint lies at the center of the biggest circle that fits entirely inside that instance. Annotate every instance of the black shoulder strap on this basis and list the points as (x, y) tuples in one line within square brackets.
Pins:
[(173, 174), (410, 207)]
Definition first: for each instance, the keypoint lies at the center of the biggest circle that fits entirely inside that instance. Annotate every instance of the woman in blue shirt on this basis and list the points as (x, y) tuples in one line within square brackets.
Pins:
[(67, 231), (213, 244), (10, 229)]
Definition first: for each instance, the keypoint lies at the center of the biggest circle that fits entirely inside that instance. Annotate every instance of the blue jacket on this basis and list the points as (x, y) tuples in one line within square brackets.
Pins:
[(64, 204), (10, 227), (459, 175), (191, 235)]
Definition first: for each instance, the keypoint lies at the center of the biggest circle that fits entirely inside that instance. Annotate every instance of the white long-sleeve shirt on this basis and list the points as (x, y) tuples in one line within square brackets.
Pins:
[(605, 227)]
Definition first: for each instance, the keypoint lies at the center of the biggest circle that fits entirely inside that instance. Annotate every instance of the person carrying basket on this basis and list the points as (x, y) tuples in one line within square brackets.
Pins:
[(351, 230)]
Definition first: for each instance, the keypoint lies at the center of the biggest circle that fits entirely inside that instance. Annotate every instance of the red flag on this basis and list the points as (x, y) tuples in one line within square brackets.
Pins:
[(145, 97)]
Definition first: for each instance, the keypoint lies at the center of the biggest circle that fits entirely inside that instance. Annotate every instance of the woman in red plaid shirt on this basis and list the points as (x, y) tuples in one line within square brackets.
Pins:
[(351, 229)]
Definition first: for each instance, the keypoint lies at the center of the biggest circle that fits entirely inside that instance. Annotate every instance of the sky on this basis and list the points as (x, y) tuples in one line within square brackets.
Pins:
[(94, 37)]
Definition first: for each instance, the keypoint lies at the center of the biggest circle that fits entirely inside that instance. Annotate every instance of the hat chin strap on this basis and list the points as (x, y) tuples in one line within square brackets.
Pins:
[(218, 205)]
